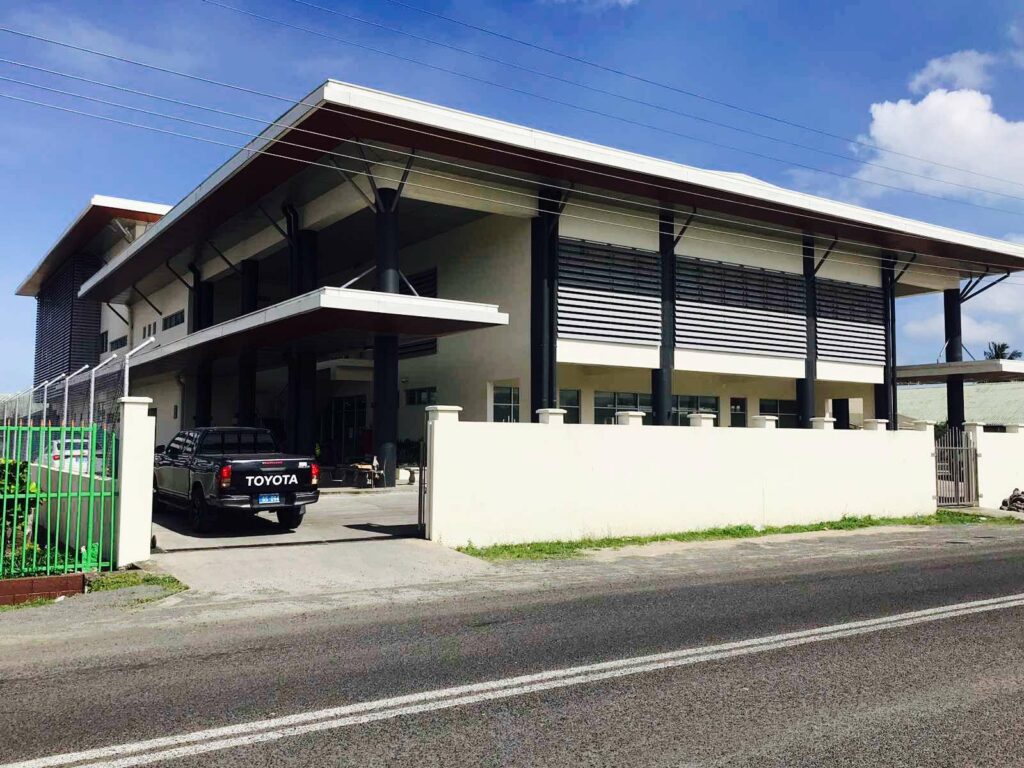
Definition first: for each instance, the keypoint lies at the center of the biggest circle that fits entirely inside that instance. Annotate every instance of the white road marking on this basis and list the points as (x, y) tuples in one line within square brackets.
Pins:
[(260, 731)]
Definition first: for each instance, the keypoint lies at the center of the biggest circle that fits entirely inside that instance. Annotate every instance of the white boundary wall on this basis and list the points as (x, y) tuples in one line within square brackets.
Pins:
[(507, 483), (1000, 462)]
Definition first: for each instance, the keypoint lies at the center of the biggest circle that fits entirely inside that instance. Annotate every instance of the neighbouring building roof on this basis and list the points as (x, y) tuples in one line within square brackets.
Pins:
[(992, 403), (100, 211)]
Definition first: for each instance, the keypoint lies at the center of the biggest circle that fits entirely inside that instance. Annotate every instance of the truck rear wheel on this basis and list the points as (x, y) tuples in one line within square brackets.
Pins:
[(199, 514), (291, 517)]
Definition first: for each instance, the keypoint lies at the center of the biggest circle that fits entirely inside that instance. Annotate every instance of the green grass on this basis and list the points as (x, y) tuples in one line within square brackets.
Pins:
[(549, 550), (125, 579), (30, 604)]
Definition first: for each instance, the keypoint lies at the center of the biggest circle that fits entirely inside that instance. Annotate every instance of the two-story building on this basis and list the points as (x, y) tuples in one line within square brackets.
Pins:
[(368, 255)]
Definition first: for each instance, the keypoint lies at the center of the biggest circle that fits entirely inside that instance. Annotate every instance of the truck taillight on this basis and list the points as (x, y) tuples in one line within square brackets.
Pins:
[(314, 473), (225, 476)]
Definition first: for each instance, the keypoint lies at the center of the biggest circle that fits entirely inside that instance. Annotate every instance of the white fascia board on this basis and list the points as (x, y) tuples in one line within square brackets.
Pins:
[(607, 353), (96, 201), (445, 118), (859, 373), (238, 161), (738, 364)]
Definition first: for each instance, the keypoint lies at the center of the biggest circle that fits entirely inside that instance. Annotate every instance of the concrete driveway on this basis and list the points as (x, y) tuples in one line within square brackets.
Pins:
[(344, 516)]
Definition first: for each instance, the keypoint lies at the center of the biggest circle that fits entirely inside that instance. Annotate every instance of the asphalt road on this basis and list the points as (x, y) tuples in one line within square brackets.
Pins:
[(946, 691)]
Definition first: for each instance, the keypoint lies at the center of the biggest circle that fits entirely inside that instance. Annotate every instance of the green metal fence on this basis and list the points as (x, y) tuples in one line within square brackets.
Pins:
[(58, 499)]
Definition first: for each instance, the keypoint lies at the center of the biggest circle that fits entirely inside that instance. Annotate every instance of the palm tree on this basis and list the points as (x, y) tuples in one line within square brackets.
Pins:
[(1000, 350)]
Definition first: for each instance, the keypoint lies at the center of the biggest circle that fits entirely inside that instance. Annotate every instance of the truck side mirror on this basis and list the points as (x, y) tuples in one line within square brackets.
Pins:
[(159, 449)]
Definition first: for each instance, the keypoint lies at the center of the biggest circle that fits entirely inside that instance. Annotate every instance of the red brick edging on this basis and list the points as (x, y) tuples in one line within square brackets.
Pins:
[(14, 591)]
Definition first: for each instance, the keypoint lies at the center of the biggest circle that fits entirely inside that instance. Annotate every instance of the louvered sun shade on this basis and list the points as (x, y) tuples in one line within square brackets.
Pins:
[(850, 323), (735, 308), (607, 293)]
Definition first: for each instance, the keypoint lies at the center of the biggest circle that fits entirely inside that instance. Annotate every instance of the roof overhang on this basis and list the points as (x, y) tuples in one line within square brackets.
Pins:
[(321, 319), (100, 211), (971, 370), (339, 111)]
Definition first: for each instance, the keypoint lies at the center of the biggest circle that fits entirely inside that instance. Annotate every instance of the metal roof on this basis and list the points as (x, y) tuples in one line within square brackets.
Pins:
[(100, 211), (990, 403), (339, 111)]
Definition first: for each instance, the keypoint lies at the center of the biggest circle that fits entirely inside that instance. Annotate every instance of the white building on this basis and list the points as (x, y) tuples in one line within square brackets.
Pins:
[(369, 254)]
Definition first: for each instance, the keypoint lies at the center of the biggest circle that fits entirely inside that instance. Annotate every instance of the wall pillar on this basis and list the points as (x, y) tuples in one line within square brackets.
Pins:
[(885, 393), (385, 346), (249, 299), (661, 377), (544, 302), (955, 410), (805, 386), (246, 412), (134, 524), (203, 384)]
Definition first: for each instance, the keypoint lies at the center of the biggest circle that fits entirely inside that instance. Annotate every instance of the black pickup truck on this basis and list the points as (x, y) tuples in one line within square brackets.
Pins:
[(223, 469)]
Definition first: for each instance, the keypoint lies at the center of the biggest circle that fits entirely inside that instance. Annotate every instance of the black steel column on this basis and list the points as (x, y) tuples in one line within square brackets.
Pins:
[(385, 346), (661, 377), (955, 411), (841, 412), (805, 386), (885, 393), (301, 404), (248, 302), (204, 394), (544, 303), (200, 317)]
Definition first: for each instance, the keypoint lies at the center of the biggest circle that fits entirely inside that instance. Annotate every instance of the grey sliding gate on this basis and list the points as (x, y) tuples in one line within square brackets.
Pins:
[(956, 470)]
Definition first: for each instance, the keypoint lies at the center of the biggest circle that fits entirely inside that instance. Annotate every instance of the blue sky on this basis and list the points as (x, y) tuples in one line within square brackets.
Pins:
[(913, 78)]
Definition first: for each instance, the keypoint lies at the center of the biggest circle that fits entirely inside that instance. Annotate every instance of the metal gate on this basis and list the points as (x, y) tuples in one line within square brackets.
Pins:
[(956, 470)]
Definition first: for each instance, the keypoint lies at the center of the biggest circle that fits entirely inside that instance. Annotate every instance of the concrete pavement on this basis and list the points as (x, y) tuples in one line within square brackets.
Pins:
[(943, 693)]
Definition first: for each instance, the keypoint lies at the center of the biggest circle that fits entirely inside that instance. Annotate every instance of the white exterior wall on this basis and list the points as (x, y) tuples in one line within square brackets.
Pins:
[(598, 480), (1000, 465), (171, 298), (485, 261), (165, 392)]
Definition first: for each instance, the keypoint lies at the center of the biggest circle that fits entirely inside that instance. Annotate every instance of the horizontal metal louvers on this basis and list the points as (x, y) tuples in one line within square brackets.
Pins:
[(67, 327), (425, 283), (608, 293), (735, 308), (850, 322)]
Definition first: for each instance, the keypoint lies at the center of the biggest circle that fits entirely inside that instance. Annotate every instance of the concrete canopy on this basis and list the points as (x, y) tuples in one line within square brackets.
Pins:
[(971, 370), (322, 319)]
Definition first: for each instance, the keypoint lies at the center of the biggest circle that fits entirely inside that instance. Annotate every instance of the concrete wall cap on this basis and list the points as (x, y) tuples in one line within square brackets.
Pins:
[(134, 399), (443, 409)]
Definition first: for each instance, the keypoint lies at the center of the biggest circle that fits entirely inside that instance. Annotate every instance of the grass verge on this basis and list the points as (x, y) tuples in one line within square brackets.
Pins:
[(125, 579), (549, 550), (30, 604)]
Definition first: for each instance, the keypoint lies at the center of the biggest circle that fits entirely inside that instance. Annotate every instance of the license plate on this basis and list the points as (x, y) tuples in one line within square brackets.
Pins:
[(269, 498)]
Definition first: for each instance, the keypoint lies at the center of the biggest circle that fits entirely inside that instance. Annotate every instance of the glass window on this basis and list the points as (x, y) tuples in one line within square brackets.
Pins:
[(119, 342), (506, 404), (684, 405), (737, 411), (607, 403), (103, 342), (569, 399), (421, 396), (230, 442), (178, 318), (786, 410)]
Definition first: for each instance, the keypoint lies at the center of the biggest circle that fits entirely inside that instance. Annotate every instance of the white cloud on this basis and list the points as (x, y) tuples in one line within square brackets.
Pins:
[(594, 5), (47, 22), (959, 129), (963, 69), (976, 333)]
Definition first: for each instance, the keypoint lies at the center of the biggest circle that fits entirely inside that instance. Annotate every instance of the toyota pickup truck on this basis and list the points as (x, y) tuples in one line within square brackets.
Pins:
[(221, 470)]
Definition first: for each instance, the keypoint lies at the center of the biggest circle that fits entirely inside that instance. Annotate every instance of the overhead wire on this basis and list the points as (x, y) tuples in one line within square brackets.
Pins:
[(642, 102), (685, 92), (603, 197), (612, 116), (512, 153), (368, 174)]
